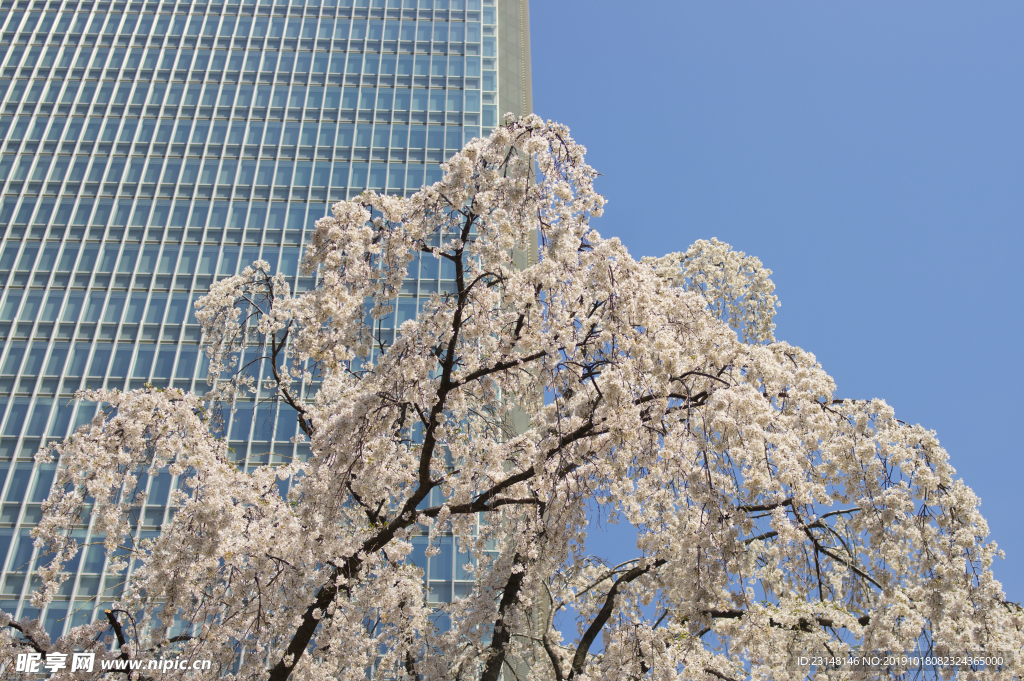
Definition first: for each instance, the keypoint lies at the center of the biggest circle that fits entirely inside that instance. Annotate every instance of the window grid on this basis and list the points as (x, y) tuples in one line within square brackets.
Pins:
[(98, 101)]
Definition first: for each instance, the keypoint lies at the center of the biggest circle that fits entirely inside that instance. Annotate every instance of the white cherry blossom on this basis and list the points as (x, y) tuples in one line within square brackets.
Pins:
[(774, 517)]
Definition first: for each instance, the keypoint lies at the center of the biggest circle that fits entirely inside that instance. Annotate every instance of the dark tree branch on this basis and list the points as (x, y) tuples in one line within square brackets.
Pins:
[(804, 623), (502, 632), (28, 639), (590, 635)]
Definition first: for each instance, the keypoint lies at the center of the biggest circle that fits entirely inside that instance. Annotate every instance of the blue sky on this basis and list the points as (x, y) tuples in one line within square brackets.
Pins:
[(870, 153)]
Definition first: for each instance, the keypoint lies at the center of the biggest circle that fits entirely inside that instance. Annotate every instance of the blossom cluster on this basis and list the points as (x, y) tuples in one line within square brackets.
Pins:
[(773, 517)]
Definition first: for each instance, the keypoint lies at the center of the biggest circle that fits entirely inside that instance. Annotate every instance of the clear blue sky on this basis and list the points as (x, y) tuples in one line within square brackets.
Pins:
[(870, 153)]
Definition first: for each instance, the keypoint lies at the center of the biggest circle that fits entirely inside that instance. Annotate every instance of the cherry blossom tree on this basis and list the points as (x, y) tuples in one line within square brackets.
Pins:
[(773, 518)]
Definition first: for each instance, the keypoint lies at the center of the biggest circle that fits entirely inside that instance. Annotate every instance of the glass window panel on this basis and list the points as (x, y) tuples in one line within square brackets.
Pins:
[(414, 175), (100, 217), (229, 261), (128, 258), (187, 359), (12, 362), (321, 174), (435, 137), (441, 562), (238, 213), (155, 310), (147, 262), (55, 366), (291, 133), (290, 260), (60, 168), (276, 216), (135, 170), (350, 98), (269, 61), (209, 172), (437, 98), (189, 171), (160, 489), (367, 98), (364, 135), (140, 217), (328, 133), (339, 177), (337, 62), (255, 133), (178, 308), (378, 176), (420, 99), (56, 129), (143, 361), (359, 174), (346, 134), (284, 173), (264, 422), (95, 306), (287, 424), (202, 129), (153, 171), (208, 260), (96, 172), (46, 207), (100, 360), (273, 135), (265, 175), (309, 133), (396, 176), (18, 484), (455, 100), (402, 99), (73, 308), (321, 60), (168, 260), (245, 177), (34, 361), (240, 421), (218, 214), (172, 170), (252, 61), (439, 65), (236, 135), (429, 266), (161, 211), (28, 256), (164, 362), (52, 306), (33, 301), (122, 361), (136, 308), (303, 173), (112, 314)]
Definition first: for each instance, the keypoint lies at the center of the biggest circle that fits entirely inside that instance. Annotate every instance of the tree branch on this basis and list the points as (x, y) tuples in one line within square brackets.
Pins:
[(503, 633), (590, 635)]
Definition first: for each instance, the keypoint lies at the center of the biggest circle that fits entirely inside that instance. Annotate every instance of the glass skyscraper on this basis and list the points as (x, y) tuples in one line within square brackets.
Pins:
[(148, 148)]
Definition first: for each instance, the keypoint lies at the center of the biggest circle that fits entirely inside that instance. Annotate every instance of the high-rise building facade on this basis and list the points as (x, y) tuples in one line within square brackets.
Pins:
[(149, 148)]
